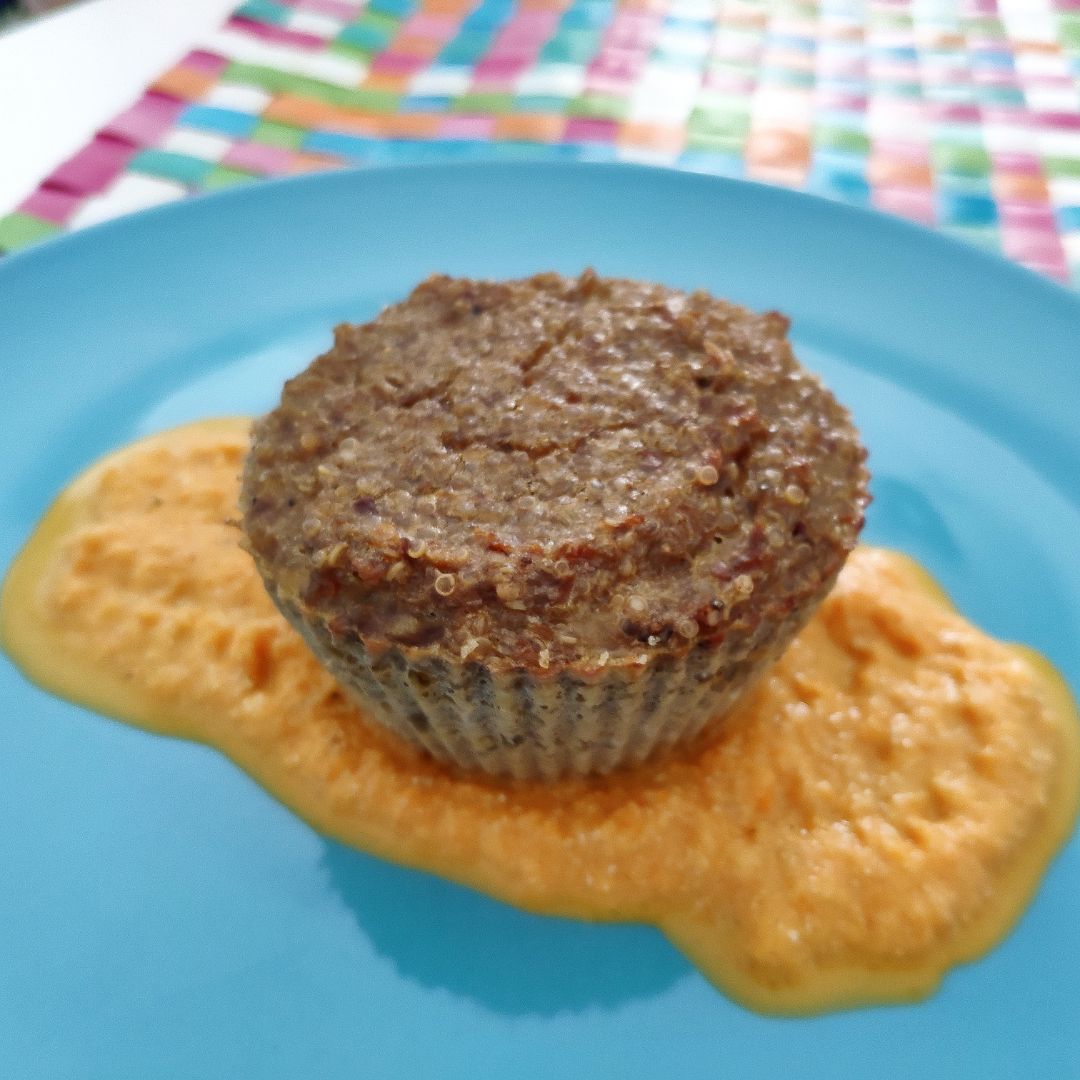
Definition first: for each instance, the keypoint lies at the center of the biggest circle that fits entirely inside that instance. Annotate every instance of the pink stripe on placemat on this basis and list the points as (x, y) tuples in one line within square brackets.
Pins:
[(94, 167), (621, 64), (339, 9), (952, 112), (1038, 250), (207, 62), (1006, 114), (632, 30), (279, 35), (259, 158), (521, 54), (913, 203), (146, 121), (51, 205), (836, 99), (467, 127), (903, 150), (588, 129), (1059, 121), (602, 83), (531, 28), (1037, 243), (436, 27), (501, 68), (1046, 80), (389, 63), (1012, 161), (1028, 215)]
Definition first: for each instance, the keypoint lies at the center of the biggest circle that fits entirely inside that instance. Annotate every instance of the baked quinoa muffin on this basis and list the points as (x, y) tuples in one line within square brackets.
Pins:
[(549, 526)]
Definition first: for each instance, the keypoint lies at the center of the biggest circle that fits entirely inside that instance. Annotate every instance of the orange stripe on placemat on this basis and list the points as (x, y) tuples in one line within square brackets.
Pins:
[(305, 112), (778, 155), (651, 136), (447, 7), (1022, 188), (935, 39), (531, 127), (410, 125), (890, 170), (1047, 48), (301, 111), (545, 5), (387, 80), (415, 45), (185, 83), (302, 163)]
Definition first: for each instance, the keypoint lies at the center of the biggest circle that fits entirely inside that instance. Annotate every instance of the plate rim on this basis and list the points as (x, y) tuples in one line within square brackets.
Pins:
[(48, 246)]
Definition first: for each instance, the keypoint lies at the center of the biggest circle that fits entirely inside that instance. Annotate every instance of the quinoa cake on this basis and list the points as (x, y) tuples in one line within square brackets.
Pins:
[(549, 526)]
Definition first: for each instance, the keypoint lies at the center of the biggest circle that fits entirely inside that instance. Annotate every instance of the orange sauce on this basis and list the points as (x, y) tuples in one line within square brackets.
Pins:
[(879, 810)]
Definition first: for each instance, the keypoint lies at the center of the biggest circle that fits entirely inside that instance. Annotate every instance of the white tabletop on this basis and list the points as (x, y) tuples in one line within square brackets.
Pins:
[(64, 75)]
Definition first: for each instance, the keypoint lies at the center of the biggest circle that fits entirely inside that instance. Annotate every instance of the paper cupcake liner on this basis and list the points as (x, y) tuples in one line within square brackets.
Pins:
[(548, 725)]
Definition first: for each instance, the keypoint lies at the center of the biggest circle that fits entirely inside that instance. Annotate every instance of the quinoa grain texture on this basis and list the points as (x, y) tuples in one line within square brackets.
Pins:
[(548, 526)]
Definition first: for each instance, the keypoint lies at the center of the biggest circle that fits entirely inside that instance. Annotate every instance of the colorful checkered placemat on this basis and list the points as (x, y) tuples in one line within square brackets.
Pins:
[(962, 114)]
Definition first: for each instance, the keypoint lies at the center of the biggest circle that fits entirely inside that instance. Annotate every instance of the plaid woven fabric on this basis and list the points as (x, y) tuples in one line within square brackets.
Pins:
[(960, 115)]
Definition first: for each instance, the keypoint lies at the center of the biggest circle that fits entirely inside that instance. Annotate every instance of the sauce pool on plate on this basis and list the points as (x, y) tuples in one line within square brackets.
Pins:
[(878, 810)]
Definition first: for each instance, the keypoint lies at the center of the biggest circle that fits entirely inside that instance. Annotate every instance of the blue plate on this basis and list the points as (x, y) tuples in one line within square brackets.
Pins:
[(161, 916)]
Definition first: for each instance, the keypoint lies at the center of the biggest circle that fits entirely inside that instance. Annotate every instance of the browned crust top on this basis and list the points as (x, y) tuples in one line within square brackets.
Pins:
[(553, 472)]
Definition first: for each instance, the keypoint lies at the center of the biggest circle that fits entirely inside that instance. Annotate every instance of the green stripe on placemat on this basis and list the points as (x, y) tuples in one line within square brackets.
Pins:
[(599, 107), (21, 230), (285, 82), (1062, 167), (485, 104), (272, 133), (221, 176)]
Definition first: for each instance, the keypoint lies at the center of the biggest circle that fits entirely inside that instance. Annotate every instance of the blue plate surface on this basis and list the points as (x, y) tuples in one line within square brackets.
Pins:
[(161, 916)]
